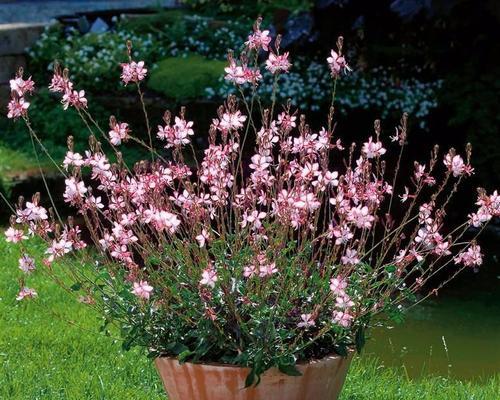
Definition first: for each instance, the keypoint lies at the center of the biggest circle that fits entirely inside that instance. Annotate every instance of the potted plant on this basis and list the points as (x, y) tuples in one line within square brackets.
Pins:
[(246, 279)]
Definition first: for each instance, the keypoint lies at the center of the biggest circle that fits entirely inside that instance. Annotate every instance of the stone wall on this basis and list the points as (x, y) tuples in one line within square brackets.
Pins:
[(14, 40)]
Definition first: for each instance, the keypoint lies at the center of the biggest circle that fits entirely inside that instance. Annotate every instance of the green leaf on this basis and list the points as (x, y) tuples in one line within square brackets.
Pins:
[(76, 286), (390, 268), (250, 378), (127, 344), (289, 369), (154, 260), (153, 354), (341, 350), (177, 348), (182, 357)]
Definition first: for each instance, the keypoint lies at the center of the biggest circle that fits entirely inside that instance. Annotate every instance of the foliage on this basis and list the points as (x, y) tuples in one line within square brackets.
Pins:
[(267, 262), (186, 77), (180, 33), (378, 90), (53, 126), (94, 59), (248, 7), (476, 112), (49, 361)]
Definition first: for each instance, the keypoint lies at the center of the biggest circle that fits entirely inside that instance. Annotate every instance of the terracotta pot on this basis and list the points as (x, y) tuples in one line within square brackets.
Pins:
[(320, 380)]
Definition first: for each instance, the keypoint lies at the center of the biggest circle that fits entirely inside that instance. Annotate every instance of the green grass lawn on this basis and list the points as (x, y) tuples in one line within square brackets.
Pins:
[(14, 164), (51, 349)]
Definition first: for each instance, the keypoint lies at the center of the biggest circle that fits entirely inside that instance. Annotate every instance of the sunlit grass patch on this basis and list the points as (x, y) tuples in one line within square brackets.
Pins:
[(51, 348)]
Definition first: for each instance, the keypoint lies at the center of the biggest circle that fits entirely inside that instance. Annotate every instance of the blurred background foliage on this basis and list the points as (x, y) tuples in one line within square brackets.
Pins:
[(436, 59)]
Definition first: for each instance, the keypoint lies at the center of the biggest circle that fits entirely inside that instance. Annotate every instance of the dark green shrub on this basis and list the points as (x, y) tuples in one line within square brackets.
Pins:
[(185, 78)]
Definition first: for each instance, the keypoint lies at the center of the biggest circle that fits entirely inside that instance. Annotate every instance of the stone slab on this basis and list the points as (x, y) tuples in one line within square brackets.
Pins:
[(4, 99), (9, 66), (15, 38)]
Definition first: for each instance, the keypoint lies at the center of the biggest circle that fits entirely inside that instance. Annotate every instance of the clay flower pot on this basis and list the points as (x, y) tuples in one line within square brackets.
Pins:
[(320, 380)]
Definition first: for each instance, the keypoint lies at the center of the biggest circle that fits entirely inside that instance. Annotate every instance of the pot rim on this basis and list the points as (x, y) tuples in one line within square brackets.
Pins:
[(331, 356)]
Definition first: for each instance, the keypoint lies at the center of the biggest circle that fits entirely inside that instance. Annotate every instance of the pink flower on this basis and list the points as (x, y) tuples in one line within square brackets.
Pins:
[(343, 301), (259, 40), (21, 86), (163, 220), (337, 64), (14, 235), (74, 159), (472, 257), (342, 318), (278, 63), (232, 121), (456, 165), (26, 293), (119, 132), (18, 107), (142, 290), (250, 271), (178, 134), (234, 73), (342, 234), (350, 257), (59, 84), (74, 190), (373, 149), (133, 72), (254, 218), (267, 269), (32, 212), (74, 98), (58, 248), (338, 286), (287, 121), (209, 277), (26, 264), (307, 321), (203, 237), (361, 217)]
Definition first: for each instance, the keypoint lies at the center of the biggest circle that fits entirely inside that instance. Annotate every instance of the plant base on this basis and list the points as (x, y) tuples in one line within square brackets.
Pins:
[(320, 380)]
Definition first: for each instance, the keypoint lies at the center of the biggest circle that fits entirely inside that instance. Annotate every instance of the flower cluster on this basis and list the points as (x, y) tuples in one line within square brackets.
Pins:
[(61, 84), (277, 250), (336, 61), (19, 88), (133, 72)]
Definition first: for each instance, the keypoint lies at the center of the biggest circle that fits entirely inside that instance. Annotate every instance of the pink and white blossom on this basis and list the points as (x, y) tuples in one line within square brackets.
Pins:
[(209, 277), (373, 149), (119, 133), (133, 72), (350, 257), (26, 264), (337, 64), (278, 63), (26, 293), (472, 257), (343, 318), (307, 321), (259, 40), (14, 235), (18, 108), (142, 290)]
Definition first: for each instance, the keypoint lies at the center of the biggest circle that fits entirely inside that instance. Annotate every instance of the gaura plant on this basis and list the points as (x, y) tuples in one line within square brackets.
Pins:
[(257, 259)]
